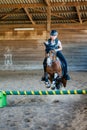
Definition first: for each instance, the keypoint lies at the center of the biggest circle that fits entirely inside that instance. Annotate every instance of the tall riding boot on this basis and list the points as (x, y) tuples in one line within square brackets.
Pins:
[(62, 59), (66, 75)]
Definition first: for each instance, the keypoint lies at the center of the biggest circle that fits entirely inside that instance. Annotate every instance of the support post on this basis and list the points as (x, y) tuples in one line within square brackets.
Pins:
[(48, 21), (3, 100)]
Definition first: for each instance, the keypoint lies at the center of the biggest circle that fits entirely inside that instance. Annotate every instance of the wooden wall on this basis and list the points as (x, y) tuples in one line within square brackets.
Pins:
[(22, 35), (65, 35), (27, 48), (73, 36)]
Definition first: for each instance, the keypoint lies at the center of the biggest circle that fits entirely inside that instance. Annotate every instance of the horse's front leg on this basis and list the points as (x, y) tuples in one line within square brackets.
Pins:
[(53, 85), (47, 84)]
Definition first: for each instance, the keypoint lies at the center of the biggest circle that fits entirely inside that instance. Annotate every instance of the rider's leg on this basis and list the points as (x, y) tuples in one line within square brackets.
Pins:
[(62, 59)]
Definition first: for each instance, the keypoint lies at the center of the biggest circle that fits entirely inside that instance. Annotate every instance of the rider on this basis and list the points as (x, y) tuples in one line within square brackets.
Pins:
[(54, 44)]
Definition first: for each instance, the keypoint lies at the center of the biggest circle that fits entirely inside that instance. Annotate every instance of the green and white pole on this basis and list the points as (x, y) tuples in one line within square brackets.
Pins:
[(3, 94)]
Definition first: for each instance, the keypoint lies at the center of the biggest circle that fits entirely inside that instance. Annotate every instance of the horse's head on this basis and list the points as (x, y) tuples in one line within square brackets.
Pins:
[(51, 57)]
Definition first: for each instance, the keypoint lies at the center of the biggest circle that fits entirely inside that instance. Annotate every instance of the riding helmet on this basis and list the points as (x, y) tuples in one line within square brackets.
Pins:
[(53, 33)]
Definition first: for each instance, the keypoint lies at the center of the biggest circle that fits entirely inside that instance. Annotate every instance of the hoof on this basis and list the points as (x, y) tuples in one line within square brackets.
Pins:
[(47, 84), (43, 79), (53, 86), (58, 86)]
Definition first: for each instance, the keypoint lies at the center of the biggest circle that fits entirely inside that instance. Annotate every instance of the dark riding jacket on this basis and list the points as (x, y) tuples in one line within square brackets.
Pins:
[(51, 45)]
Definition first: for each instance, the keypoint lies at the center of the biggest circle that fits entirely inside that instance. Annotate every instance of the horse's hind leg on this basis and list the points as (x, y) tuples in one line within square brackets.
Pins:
[(64, 82)]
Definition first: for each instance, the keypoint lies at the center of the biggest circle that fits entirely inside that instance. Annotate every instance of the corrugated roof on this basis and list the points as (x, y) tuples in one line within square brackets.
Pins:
[(35, 11)]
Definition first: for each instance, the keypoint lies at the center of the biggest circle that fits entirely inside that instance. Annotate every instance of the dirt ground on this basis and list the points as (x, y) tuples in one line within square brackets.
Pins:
[(52, 112)]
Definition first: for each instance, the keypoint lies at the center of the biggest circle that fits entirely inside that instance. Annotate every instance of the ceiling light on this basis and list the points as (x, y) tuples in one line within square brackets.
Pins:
[(22, 29)]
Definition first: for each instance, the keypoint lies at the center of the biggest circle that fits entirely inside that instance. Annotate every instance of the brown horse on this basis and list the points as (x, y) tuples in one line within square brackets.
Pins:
[(54, 72)]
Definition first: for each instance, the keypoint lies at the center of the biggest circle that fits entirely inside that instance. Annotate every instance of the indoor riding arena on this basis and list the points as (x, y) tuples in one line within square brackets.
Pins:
[(25, 26)]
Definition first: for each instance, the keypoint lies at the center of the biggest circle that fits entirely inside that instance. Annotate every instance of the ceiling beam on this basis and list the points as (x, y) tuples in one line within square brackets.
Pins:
[(78, 13), (42, 12), (38, 21), (29, 15), (54, 4), (8, 14), (70, 26), (21, 5), (62, 17), (43, 26), (53, 14), (48, 18), (47, 2), (38, 10)]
